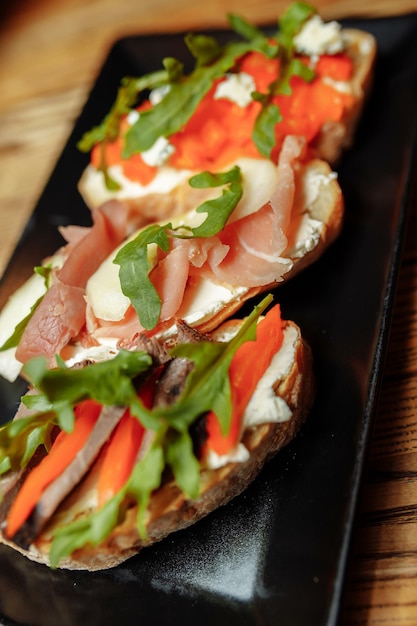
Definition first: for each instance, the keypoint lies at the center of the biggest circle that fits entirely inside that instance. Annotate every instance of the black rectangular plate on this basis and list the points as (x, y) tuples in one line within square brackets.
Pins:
[(276, 554)]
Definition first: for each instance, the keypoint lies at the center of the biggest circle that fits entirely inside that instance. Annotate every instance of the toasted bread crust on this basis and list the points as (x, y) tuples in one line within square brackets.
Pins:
[(335, 137), (170, 510)]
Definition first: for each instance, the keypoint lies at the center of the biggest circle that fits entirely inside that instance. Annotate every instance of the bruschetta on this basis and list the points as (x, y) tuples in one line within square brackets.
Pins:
[(184, 430), (310, 79)]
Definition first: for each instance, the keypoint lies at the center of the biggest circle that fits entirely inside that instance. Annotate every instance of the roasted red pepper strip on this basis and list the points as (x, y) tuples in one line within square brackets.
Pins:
[(248, 365), (63, 451), (118, 458)]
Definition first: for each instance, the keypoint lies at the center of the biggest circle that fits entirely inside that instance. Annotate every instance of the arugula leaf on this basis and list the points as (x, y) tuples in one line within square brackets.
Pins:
[(292, 21), (204, 48), (244, 28), (126, 98), (19, 329), (5, 466), (14, 339), (173, 112), (264, 128), (19, 440), (108, 382), (180, 457), (145, 478), (219, 209), (252, 33), (263, 133), (135, 266), (88, 530)]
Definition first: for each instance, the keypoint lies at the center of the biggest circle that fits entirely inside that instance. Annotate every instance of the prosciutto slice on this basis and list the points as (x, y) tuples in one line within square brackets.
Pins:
[(170, 278), (61, 314), (255, 243)]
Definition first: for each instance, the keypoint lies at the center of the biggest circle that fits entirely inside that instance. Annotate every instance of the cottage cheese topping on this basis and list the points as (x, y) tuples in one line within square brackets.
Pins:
[(317, 37), (237, 88)]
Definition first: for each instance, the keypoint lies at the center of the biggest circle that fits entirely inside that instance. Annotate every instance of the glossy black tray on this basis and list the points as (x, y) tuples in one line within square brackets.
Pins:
[(276, 554)]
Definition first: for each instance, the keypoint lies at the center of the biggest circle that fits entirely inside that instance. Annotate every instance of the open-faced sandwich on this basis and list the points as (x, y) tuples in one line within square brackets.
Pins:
[(308, 79), (110, 457), (146, 408)]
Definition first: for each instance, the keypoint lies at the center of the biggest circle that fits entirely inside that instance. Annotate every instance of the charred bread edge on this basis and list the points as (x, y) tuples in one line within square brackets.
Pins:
[(169, 510)]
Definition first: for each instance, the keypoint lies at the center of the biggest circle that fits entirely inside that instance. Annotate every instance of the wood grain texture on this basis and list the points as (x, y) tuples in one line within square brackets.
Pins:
[(381, 584), (50, 54)]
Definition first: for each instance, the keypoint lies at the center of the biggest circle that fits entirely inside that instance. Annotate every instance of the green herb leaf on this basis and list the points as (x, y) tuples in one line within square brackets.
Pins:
[(174, 111), (87, 530), (14, 339), (264, 129), (292, 21), (108, 382), (145, 478), (218, 209), (244, 28), (127, 96), (135, 265), (251, 33), (263, 133), (19, 440), (174, 69), (205, 49), (298, 68), (5, 466), (180, 457)]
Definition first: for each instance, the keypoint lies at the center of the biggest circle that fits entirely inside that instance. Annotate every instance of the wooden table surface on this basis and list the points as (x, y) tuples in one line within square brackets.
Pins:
[(50, 53)]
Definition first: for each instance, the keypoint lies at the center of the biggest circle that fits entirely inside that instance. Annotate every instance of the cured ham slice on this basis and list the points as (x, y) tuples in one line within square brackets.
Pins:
[(170, 278), (59, 318), (61, 314), (255, 244)]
